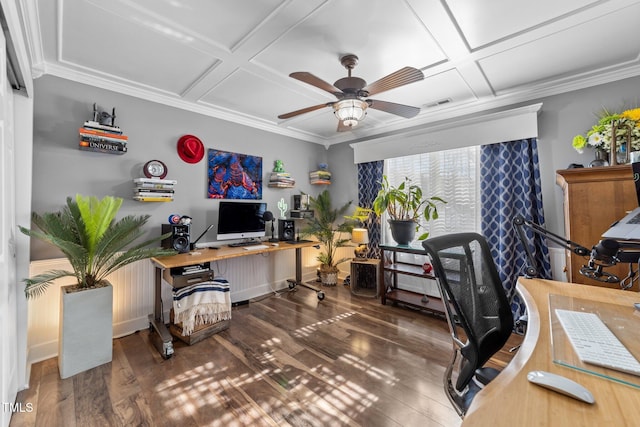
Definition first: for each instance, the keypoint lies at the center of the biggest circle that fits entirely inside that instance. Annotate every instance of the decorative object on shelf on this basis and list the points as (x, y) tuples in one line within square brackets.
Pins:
[(602, 158), (79, 230), (427, 268), (301, 206), (155, 169), (279, 178), (234, 175), (322, 176), (327, 227), (282, 207), (405, 206), (626, 128), (301, 202), (153, 189), (278, 166), (102, 135), (104, 118), (190, 148)]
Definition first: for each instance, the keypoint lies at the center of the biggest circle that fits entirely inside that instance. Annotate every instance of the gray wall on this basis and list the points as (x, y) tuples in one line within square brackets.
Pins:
[(60, 169), (562, 117)]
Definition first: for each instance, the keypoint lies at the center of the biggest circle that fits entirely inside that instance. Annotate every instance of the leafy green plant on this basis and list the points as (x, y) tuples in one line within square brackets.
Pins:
[(360, 215), (405, 202), (95, 244), (325, 227)]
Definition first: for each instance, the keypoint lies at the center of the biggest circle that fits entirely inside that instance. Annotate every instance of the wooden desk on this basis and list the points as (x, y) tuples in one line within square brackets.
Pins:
[(160, 336), (510, 400)]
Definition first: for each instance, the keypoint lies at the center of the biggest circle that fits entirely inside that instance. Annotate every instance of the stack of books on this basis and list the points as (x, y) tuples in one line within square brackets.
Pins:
[(281, 180), (153, 189), (102, 138), (320, 177)]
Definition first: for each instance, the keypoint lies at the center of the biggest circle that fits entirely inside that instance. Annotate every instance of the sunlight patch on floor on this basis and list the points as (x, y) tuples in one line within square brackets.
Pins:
[(305, 331)]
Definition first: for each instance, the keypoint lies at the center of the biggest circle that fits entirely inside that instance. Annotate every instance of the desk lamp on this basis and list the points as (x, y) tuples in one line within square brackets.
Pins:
[(360, 236)]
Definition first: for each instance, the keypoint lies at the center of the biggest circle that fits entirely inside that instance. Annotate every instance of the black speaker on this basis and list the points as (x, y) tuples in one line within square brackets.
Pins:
[(286, 230), (179, 239)]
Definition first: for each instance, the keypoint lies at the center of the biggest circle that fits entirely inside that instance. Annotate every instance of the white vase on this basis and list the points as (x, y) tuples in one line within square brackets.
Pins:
[(85, 337)]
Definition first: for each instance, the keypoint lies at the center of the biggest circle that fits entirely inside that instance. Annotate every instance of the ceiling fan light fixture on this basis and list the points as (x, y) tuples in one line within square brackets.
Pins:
[(350, 111)]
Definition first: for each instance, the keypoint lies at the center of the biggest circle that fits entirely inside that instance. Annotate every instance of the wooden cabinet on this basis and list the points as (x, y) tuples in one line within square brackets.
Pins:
[(594, 198)]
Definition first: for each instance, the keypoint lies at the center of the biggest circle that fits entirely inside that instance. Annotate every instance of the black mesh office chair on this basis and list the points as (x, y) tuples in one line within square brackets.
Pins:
[(477, 309)]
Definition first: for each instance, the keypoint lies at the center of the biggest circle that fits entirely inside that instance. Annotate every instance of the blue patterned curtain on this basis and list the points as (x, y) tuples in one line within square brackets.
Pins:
[(510, 186), (369, 177)]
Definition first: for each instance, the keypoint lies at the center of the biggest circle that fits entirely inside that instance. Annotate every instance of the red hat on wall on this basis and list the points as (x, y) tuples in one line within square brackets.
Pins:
[(190, 149)]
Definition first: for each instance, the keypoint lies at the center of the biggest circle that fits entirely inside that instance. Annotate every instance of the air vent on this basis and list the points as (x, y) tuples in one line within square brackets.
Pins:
[(439, 103)]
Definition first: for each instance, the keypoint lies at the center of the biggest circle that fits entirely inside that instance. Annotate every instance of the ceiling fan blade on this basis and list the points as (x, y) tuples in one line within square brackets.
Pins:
[(302, 111), (406, 111), (401, 77), (309, 78)]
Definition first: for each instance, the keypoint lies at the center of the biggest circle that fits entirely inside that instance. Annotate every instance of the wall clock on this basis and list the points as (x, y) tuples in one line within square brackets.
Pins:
[(155, 169)]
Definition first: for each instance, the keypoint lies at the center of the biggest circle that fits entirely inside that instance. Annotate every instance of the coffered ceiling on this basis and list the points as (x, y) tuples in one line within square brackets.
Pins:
[(231, 59)]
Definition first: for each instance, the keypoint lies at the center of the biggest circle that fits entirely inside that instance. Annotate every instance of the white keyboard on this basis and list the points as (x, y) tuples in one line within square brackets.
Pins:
[(254, 247), (595, 343)]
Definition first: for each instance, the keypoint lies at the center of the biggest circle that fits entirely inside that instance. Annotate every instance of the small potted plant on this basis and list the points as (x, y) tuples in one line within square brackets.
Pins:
[(96, 245), (326, 227), (405, 205)]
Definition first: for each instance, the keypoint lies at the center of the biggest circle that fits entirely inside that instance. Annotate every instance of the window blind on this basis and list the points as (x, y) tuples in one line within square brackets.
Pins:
[(451, 175)]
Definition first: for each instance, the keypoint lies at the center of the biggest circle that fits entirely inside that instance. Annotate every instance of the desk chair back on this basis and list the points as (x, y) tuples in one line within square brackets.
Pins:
[(477, 309)]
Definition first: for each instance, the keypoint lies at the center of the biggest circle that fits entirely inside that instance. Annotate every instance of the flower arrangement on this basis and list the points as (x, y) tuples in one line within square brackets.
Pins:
[(600, 135)]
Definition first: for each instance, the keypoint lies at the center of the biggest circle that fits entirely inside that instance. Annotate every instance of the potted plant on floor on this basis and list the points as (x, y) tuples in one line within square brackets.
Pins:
[(405, 205), (96, 245), (327, 225)]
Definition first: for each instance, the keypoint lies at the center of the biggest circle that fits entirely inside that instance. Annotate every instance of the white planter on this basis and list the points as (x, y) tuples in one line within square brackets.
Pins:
[(85, 338), (329, 276)]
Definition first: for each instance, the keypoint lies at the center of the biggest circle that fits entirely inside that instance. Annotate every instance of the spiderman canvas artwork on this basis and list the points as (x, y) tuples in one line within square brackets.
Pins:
[(234, 175)]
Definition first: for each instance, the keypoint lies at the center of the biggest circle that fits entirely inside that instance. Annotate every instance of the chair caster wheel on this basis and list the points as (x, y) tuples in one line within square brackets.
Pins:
[(292, 285), (320, 296)]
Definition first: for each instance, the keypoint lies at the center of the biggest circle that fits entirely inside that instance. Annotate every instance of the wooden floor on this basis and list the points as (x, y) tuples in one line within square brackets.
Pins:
[(285, 360)]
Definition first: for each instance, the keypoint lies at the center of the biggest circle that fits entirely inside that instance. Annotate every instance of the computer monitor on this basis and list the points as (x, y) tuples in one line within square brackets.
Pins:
[(241, 220)]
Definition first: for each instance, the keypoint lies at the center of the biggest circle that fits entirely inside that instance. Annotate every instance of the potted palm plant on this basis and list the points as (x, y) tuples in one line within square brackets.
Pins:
[(405, 205), (96, 245), (327, 227)]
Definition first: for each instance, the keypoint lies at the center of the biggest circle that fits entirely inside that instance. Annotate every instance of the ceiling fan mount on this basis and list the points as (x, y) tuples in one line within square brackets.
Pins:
[(350, 91), (351, 84), (349, 61)]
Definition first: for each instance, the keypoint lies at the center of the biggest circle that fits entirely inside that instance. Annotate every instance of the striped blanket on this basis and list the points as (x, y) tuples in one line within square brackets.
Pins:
[(201, 304)]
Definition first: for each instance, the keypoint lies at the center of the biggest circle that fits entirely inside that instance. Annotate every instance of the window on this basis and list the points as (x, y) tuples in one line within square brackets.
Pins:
[(452, 175)]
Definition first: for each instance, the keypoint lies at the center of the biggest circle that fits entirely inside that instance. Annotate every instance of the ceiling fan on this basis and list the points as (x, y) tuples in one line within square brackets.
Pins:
[(350, 108)]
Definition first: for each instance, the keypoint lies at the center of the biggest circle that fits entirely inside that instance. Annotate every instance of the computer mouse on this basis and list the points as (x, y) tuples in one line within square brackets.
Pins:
[(561, 385)]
